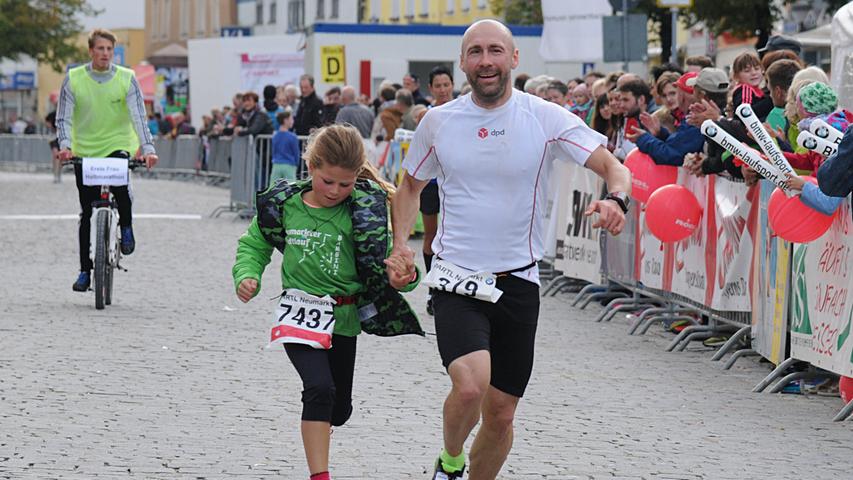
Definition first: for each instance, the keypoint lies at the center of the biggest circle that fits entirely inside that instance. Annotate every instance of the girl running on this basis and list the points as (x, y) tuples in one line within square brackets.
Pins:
[(337, 280)]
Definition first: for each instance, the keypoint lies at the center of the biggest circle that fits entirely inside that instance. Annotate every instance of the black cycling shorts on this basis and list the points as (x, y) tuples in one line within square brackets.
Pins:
[(507, 329), (429, 199)]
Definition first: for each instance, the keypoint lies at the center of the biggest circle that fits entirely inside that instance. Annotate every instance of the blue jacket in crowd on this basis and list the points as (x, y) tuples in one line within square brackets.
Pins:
[(817, 200), (674, 146), (835, 175), (285, 148)]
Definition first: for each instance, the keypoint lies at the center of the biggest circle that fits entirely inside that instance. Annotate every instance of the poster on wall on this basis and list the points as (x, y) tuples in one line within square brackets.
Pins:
[(259, 70), (172, 90), (733, 245), (771, 267), (821, 315)]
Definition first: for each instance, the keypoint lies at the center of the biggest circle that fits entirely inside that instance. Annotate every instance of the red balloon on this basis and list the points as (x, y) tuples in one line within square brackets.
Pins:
[(793, 221), (672, 213), (845, 386), (646, 175)]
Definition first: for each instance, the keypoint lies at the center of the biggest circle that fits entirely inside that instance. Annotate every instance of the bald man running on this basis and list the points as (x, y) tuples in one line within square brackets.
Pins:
[(492, 152)]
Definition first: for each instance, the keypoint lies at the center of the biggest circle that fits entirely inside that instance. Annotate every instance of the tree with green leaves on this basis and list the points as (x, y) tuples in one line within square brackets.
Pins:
[(43, 29), (518, 12), (741, 18)]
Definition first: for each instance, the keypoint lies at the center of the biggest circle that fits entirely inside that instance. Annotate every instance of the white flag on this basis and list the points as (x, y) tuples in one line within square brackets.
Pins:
[(572, 31)]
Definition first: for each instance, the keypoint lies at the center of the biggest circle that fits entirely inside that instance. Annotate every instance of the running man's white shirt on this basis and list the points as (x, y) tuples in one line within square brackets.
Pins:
[(492, 168)]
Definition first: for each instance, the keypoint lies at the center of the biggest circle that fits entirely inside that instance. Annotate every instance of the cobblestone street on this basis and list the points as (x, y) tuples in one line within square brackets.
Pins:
[(173, 381)]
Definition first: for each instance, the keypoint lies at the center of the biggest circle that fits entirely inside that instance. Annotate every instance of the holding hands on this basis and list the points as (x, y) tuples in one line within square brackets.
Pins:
[(400, 266)]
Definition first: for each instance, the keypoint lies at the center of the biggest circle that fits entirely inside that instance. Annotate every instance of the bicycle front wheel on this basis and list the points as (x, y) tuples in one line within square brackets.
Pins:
[(101, 262)]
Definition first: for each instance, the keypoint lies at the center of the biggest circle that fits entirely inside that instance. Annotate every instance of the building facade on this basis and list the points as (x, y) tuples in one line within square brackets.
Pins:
[(277, 17), (173, 22), (439, 12)]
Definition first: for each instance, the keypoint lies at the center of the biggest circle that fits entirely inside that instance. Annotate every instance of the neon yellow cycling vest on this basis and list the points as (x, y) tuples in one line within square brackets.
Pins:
[(101, 123)]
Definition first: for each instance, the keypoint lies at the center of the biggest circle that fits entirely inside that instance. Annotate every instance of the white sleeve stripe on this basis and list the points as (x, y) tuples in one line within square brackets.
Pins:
[(575, 144), (431, 149), (64, 113), (137, 113)]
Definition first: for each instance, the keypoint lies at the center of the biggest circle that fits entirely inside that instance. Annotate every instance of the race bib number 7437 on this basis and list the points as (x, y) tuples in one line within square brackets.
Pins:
[(451, 278), (303, 318)]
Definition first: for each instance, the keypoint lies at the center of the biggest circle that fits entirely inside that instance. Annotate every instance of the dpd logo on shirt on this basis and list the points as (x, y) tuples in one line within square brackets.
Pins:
[(483, 133)]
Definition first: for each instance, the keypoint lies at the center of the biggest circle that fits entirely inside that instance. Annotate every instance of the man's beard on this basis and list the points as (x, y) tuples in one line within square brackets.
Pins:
[(493, 93)]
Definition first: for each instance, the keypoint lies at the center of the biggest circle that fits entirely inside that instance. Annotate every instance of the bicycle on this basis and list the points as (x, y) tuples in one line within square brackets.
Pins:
[(105, 234)]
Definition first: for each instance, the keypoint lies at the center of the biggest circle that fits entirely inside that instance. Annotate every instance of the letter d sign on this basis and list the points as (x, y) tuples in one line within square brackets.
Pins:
[(333, 64)]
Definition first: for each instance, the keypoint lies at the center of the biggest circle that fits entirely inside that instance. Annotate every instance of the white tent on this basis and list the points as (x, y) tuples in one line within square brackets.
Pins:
[(842, 55)]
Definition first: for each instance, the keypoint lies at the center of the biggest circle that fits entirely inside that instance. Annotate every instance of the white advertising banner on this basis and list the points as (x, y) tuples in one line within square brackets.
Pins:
[(650, 255), (579, 250), (820, 290), (572, 31), (259, 70), (555, 209), (733, 245)]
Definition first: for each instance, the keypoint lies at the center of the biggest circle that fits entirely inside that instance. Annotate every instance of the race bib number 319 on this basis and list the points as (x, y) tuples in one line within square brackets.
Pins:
[(303, 318), (451, 278)]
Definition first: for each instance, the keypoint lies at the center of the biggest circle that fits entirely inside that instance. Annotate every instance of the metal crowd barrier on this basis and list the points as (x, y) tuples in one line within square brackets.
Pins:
[(186, 155), (621, 291), (251, 165), (30, 152)]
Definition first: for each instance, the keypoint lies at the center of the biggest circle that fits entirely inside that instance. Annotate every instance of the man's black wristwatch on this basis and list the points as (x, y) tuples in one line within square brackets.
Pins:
[(621, 199)]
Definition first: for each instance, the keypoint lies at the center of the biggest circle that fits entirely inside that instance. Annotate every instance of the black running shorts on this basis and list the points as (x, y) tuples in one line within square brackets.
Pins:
[(506, 329), (429, 199)]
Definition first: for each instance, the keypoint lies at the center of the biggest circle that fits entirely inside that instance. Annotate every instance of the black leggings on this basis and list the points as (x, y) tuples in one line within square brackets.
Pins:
[(326, 379), (88, 195)]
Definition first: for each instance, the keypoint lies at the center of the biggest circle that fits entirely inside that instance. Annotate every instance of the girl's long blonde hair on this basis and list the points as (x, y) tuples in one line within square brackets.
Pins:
[(340, 145)]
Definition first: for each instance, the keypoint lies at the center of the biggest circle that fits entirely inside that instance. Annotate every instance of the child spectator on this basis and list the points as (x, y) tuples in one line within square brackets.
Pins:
[(285, 149), (748, 75), (582, 103)]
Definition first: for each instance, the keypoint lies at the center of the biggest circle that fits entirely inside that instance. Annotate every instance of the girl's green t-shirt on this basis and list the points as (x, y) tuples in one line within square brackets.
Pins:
[(319, 257)]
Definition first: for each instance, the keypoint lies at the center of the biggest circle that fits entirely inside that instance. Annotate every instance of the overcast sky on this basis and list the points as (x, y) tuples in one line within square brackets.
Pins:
[(117, 14)]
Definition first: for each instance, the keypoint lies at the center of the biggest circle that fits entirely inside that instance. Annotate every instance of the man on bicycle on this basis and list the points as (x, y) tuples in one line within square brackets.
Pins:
[(101, 114)]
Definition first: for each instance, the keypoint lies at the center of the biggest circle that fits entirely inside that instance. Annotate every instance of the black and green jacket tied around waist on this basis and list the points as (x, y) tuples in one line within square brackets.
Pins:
[(371, 237)]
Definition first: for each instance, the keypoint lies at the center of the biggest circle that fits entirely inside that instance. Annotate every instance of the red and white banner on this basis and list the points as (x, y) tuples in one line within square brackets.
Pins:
[(690, 272)]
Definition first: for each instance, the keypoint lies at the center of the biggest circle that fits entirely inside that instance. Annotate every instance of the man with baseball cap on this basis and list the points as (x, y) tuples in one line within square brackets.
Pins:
[(682, 85), (670, 148), (712, 80), (780, 42)]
